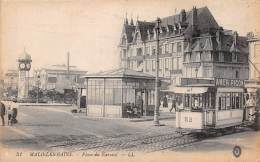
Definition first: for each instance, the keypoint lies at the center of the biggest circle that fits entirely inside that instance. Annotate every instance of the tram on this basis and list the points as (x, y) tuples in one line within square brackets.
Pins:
[(209, 104)]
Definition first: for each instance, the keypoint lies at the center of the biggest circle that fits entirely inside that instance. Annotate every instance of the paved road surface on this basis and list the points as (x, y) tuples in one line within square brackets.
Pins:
[(57, 129)]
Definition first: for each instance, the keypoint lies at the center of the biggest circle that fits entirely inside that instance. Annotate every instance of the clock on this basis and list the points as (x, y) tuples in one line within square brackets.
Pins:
[(22, 66), (28, 66)]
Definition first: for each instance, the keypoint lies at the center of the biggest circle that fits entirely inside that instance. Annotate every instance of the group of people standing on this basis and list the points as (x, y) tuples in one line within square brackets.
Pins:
[(135, 110), (9, 108)]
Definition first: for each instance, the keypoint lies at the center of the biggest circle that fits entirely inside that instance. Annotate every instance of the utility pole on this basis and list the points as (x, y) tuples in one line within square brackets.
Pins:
[(156, 109)]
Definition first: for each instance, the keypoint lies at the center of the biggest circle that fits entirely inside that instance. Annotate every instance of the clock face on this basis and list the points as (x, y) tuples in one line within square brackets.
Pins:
[(28, 66), (22, 65)]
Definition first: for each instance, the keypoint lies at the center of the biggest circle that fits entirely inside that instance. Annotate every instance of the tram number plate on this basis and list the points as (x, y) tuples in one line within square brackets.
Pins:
[(188, 119)]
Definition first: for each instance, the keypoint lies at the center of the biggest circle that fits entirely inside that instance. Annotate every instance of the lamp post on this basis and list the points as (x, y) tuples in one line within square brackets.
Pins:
[(156, 109)]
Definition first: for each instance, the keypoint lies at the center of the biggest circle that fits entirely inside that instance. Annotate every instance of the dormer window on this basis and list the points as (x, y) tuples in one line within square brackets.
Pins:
[(167, 29), (174, 28), (179, 27), (234, 57), (123, 40), (148, 35), (137, 37)]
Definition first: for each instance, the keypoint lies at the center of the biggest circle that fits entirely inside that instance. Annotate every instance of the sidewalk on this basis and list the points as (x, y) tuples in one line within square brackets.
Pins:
[(162, 116)]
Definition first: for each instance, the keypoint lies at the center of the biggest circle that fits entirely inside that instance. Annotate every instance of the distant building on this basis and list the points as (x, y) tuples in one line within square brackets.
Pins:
[(254, 59), (59, 78), (11, 79), (192, 45), (1, 87)]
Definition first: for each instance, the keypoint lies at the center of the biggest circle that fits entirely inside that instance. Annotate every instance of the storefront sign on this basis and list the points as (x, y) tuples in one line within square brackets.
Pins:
[(221, 82)]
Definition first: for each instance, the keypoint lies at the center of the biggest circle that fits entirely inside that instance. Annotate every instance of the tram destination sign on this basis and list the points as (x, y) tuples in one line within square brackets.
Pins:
[(221, 82)]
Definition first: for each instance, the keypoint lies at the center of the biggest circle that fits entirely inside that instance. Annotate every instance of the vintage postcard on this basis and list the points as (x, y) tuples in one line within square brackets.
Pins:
[(130, 80)]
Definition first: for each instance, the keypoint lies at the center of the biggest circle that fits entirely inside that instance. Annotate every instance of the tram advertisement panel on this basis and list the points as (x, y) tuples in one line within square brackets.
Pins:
[(221, 82)]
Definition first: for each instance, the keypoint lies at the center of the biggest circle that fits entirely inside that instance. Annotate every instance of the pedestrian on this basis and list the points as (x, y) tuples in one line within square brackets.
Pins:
[(165, 101), (14, 109), (139, 104), (2, 113), (173, 105), (9, 115)]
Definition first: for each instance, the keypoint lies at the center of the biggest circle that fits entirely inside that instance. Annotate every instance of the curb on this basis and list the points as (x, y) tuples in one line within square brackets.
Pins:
[(143, 120), (122, 119)]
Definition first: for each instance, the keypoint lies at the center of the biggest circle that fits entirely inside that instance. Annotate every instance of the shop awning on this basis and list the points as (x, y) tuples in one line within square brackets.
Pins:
[(187, 90)]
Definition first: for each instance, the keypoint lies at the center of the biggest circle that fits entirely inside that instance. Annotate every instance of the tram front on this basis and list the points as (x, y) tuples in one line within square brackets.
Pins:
[(197, 110)]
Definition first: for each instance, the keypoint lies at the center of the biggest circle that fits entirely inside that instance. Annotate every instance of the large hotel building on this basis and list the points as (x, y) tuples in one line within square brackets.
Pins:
[(193, 51), (192, 45)]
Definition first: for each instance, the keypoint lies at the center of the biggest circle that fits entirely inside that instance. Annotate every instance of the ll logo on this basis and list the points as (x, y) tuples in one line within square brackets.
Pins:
[(237, 151)]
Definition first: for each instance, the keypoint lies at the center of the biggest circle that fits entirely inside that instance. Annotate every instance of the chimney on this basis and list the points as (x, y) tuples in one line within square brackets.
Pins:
[(235, 35), (194, 18), (219, 37), (183, 16)]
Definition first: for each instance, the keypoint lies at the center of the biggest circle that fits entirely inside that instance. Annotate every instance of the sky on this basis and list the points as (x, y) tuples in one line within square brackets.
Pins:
[(90, 30)]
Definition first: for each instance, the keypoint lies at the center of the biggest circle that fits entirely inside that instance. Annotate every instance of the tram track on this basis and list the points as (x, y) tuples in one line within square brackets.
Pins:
[(106, 142), (136, 142), (125, 143)]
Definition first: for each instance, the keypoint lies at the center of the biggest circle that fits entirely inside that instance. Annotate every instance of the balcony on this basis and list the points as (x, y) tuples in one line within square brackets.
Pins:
[(177, 71)]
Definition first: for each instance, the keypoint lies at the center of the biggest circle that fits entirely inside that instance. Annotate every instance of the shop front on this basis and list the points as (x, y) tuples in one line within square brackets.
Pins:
[(114, 93)]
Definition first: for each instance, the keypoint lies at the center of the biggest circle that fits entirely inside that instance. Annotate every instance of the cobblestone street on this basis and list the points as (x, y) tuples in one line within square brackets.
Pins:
[(56, 129)]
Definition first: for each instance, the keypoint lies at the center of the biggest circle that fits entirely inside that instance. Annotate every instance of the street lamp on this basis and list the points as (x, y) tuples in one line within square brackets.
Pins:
[(156, 109)]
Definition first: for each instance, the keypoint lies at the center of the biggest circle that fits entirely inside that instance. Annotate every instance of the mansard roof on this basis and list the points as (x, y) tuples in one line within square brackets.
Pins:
[(128, 30), (170, 25), (228, 45), (205, 20), (208, 42)]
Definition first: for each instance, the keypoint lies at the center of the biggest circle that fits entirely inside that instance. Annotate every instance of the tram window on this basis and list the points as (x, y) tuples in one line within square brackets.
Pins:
[(228, 101), (187, 101), (237, 102), (233, 101), (219, 103)]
